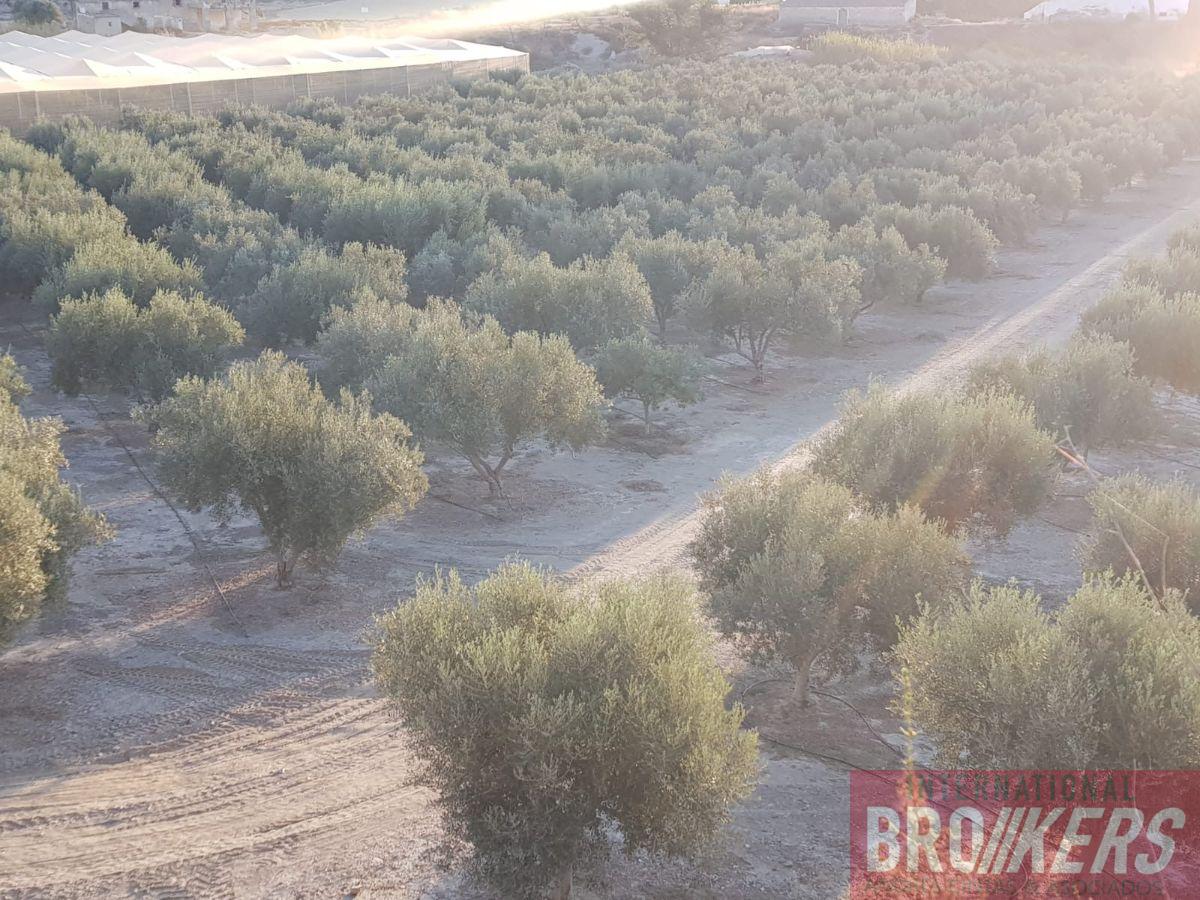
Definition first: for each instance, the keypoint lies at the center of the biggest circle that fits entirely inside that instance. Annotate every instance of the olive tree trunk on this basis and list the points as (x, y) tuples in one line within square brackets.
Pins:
[(800, 695), (804, 652), (560, 888), (491, 473), (285, 566)]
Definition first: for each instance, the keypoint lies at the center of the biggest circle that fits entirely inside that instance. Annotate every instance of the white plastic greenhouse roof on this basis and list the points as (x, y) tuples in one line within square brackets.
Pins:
[(74, 60)]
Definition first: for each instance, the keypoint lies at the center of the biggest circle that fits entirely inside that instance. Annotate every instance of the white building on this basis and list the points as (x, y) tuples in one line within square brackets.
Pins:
[(1107, 10), (878, 13), (179, 15), (102, 23)]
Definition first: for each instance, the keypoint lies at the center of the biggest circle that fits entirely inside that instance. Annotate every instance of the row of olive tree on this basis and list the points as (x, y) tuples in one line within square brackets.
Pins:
[(264, 439), (808, 288), (42, 519), (592, 301), (109, 340), (1004, 171), (800, 566), (929, 222), (1109, 679), (570, 198), (58, 240), (279, 284)]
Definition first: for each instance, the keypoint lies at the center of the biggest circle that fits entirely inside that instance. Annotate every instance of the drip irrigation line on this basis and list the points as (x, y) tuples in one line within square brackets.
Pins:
[(738, 387), (867, 722), (158, 492), (447, 500), (1170, 459), (633, 448), (1059, 525)]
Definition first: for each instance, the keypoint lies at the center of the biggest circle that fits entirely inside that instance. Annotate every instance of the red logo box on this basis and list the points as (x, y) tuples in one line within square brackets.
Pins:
[(1049, 833)]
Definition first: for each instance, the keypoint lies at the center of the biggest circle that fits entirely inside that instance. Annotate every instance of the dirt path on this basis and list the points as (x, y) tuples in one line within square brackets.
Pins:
[(151, 744), (1049, 319)]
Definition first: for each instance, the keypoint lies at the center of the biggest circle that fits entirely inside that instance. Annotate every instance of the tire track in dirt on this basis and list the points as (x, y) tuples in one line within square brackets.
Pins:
[(183, 809), (290, 771)]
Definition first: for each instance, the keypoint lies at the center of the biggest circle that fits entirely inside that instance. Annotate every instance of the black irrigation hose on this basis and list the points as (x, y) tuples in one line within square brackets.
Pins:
[(1170, 459), (447, 500), (1061, 526), (192, 536), (739, 387), (158, 492), (871, 728), (824, 757)]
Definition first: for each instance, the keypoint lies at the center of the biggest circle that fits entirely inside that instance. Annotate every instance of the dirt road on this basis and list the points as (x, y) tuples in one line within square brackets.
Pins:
[(152, 743)]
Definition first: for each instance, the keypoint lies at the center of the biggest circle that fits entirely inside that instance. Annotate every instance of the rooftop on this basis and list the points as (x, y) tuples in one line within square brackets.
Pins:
[(74, 60), (848, 4)]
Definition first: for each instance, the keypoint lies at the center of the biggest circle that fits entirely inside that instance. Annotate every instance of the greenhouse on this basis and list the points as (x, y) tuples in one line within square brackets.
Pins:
[(78, 73)]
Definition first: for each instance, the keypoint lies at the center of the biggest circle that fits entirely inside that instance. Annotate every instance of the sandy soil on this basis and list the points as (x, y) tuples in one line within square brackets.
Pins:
[(157, 742)]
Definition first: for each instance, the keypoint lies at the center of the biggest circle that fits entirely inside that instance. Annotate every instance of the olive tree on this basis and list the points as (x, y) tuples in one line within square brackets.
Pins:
[(466, 384), (13, 387), (891, 270), (590, 301), (1053, 182), (139, 269), (1107, 681), (959, 458), (38, 13), (263, 439), (1163, 331), (37, 238), (43, 521), (1087, 393), (1147, 527), (953, 233), (680, 27), (291, 303), (1186, 238), (789, 561), (1176, 273), (643, 370), (671, 264), (797, 292), (358, 339), (108, 340), (550, 722)]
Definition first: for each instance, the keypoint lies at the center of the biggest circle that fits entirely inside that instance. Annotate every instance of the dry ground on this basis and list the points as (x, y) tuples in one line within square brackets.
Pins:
[(155, 742)]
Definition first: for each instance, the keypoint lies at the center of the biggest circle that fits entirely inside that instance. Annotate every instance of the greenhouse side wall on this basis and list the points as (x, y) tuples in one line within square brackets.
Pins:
[(19, 110)]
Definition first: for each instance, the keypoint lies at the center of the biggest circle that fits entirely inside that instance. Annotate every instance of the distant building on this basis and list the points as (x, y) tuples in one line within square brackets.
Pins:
[(881, 13), (179, 15), (1107, 10), (105, 23), (140, 14)]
